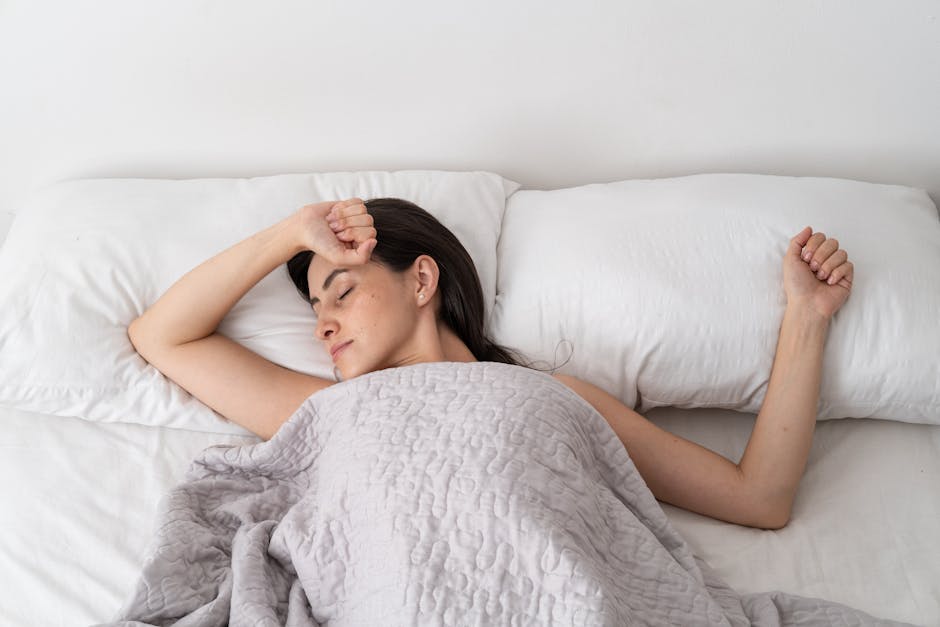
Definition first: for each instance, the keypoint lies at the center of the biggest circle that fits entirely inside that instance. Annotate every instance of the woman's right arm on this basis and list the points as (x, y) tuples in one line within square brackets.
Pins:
[(177, 334)]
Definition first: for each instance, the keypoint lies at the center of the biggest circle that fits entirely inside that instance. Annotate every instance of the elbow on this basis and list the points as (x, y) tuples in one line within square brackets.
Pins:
[(773, 515), (141, 339), (767, 507), (775, 521), (133, 333)]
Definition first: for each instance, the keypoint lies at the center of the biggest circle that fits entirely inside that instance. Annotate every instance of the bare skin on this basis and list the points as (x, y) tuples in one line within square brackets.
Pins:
[(177, 334)]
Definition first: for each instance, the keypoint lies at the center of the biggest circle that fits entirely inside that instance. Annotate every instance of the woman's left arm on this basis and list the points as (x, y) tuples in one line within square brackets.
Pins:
[(775, 457), (759, 490), (817, 278)]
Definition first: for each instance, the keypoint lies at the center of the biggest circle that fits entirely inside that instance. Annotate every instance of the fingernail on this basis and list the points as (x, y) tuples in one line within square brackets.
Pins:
[(814, 266), (821, 275), (831, 280), (333, 225), (806, 255)]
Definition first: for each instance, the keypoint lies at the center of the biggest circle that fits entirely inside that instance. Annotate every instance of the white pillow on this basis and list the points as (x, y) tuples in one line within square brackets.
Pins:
[(84, 258), (670, 291)]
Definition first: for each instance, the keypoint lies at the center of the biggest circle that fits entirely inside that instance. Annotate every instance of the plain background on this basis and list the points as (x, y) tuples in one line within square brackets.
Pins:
[(549, 94)]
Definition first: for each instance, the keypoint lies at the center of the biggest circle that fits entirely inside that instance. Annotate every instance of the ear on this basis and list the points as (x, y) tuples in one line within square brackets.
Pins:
[(426, 274)]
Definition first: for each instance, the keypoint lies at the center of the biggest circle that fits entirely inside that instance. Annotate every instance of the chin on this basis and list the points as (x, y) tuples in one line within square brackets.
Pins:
[(352, 364), (349, 371)]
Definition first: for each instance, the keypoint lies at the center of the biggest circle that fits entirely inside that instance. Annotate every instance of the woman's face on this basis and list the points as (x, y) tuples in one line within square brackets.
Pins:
[(367, 312)]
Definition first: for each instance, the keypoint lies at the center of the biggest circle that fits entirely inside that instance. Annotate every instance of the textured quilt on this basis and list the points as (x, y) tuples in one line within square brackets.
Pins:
[(436, 494)]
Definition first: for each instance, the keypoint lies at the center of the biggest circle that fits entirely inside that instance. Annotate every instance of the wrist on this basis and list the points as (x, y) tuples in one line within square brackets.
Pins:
[(806, 314), (285, 236)]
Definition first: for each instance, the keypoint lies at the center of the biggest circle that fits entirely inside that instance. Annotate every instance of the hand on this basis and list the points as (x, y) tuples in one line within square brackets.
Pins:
[(817, 273), (340, 231)]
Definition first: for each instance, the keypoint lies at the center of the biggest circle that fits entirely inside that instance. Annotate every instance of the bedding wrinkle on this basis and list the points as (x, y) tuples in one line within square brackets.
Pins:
[(836, 502), (12, 329), (896, 536), (438, 493)]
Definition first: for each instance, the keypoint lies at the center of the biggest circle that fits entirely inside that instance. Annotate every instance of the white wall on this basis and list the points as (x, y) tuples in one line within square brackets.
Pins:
[(550, 94)]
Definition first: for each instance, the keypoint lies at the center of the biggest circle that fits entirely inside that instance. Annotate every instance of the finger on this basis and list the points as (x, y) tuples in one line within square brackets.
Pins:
[(823, 252), (347, 212), (355, 200), (348, 207), (358, 234), (362, 252), (835, 260), (351, 221), (335, 210), (799, 240), (812, 244), (842, 275)]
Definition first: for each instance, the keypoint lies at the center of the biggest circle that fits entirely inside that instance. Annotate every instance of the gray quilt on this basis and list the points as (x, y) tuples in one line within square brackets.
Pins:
[(436, 494)]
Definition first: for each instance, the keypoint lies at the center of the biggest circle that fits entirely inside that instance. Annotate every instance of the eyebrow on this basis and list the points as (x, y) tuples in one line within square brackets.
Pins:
[(326, 284)]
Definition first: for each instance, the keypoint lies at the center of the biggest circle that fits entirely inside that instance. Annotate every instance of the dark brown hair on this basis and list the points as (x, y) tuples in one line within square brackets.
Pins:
[(405, 231)]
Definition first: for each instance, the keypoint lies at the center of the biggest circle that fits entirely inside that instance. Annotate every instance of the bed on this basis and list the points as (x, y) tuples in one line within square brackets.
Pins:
[(83, 548), (171, 133)]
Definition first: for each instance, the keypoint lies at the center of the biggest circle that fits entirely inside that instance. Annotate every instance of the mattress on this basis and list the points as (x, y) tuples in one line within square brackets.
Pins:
[(80, 501)]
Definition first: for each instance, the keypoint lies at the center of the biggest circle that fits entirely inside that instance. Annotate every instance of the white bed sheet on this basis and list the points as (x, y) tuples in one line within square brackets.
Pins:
[(865, 522), (80, 499)]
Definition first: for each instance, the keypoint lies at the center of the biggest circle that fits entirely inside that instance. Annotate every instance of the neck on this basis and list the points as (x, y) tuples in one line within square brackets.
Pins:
[(452, 346)]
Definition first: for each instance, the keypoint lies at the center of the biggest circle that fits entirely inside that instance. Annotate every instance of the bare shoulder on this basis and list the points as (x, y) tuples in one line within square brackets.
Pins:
[(588, 391), (607, 404), (598, 398)]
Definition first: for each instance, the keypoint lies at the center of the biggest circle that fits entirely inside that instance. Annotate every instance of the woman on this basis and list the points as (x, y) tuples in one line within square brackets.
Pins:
[(418, 299)]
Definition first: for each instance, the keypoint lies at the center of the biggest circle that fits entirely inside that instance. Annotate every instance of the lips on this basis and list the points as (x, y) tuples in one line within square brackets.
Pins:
[(338, 348)]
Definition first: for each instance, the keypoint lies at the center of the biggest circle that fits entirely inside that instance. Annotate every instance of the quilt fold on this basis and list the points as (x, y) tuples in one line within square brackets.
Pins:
[(440, 493)]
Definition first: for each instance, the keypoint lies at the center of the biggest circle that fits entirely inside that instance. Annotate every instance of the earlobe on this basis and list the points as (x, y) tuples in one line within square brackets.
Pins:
[(427, 274)]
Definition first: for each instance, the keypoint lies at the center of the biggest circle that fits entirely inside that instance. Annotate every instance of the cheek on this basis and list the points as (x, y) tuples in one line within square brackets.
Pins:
[(375, 305), (373, 313), (386, 313)]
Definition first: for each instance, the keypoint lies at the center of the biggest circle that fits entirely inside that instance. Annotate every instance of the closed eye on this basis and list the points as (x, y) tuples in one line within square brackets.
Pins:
[(316, 301)]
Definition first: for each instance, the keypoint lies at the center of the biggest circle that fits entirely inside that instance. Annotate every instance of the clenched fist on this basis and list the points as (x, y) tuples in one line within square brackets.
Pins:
[(817, 273)]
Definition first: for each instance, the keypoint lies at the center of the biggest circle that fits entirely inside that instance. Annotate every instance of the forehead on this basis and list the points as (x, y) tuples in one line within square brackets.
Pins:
[(319, 270)]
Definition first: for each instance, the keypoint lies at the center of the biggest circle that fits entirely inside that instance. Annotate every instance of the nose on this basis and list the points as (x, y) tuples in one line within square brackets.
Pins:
[(326, 327)]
